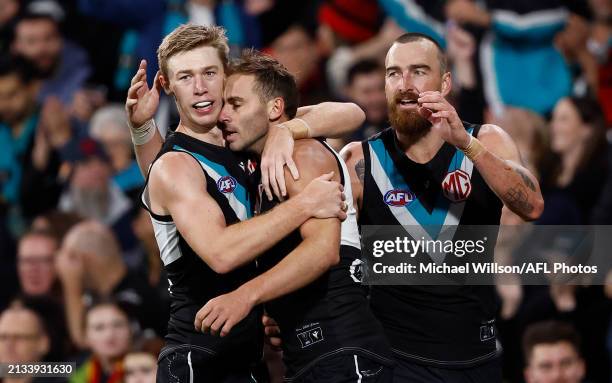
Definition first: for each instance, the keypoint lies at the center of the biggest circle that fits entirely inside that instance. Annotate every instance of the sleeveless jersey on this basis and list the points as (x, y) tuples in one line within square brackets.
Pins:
[(444, 326), (329, 316), (192, 281)]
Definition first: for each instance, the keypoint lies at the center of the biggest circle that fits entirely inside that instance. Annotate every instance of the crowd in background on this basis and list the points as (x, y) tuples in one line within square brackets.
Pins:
[(80, 274)]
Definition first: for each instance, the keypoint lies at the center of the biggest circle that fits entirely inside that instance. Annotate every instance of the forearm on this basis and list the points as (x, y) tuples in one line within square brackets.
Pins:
[(242, 242), (513, 184), (329, 119), (145, 154), (299, 268), (75, 310)]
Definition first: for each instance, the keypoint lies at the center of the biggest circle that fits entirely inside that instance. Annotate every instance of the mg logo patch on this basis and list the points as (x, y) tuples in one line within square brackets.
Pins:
[(226, 184), (457, 186), (399, 197)]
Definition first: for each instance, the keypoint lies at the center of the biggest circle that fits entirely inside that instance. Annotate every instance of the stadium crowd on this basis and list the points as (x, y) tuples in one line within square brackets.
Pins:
[(81, 278)]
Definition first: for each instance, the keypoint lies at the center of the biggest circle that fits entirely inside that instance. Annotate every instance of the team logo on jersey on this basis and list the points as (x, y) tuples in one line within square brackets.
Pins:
[(457, 186), (399, 197), (226, 184)]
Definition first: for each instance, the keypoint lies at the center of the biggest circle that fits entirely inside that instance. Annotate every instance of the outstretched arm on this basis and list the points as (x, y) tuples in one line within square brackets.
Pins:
[(328, 119), (318, 251), (177, 186)]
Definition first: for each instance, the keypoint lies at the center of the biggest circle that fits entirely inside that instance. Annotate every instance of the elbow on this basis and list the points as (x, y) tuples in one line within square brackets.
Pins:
[(332, 258), (219, 262), (536, 212), (359, 114)]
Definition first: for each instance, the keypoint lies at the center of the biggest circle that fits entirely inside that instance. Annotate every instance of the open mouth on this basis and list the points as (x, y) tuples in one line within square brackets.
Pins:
[(407, 101), (202, 105)]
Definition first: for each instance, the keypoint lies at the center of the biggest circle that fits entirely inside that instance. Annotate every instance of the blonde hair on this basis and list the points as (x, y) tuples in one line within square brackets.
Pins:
[(189, 36)]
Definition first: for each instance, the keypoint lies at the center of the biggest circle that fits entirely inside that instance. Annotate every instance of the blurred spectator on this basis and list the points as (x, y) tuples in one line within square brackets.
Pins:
[(35, 263), (18, 121), (600, 46), (108, 336), (8, 12), (56, 223), (92, 194), (366, 88), (62, 66), (23, 337), (296, 48), (42, 180), (90, 261), (109, 126), (140, 367), (552, 353), (602, 212), (572, 185), (144, 232)]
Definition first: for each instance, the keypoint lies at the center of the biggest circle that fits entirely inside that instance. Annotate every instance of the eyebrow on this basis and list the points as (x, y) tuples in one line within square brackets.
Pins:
[(411, 67), (187, 71)]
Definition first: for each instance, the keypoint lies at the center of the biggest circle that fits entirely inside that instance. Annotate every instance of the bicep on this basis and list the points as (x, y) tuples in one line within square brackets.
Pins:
[(178, 186), (498, 142)]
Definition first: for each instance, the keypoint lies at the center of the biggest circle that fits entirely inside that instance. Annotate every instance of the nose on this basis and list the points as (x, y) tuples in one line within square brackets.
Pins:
[(224, 115), (406, 83), (199, 87)]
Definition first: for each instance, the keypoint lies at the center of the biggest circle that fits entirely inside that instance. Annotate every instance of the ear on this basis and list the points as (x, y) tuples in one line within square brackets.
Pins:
[(165, 84), (446, 83), (276, 108)]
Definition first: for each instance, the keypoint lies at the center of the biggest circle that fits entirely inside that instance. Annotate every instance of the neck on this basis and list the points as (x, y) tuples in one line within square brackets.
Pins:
[(420, 150), (107, 364), (258, 146), (106, 280), (569, 163), (210, 135)]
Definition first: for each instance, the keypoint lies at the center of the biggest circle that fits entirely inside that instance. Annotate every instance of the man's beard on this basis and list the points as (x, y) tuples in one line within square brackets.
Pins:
[(408, 123), (90, 203)]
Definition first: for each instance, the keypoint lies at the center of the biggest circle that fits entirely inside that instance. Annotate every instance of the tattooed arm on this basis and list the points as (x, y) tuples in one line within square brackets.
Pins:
[(500, 166), (352, 154)]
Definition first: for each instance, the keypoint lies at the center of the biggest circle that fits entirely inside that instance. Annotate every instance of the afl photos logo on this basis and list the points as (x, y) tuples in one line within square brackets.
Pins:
[(457, 186), (399, 197), (226, 184)]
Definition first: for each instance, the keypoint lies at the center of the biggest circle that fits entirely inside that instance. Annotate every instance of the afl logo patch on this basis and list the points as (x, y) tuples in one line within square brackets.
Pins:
[(457, 186), (398, 197), (226, 184)]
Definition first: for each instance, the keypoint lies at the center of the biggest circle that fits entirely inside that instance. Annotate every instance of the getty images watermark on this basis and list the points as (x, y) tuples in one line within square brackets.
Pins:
[(481, 255)]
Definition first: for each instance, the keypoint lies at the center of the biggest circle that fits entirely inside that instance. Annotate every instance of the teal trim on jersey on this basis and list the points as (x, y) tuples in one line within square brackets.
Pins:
[(240, 193), (404, 13), (431, 222)]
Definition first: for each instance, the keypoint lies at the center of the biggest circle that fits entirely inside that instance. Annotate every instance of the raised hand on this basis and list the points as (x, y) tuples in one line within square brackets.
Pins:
[(142, 102), (444, 119)]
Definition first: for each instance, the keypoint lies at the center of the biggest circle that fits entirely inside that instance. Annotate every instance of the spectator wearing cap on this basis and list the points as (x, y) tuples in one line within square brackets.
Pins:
[(109, 126), (552, 353), (91, 192), (62, 66)]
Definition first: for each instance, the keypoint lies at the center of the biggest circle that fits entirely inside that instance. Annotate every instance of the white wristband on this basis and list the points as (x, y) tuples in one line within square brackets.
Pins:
[(144, 133)]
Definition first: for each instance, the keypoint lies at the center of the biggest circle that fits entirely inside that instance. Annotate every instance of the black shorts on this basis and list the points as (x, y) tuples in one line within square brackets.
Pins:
[(346, 368), (186, 364), (406, 371)]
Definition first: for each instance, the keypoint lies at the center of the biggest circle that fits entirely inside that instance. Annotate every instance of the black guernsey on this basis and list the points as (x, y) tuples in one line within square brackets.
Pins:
[(444, 326), (330, 316), (192, 282)]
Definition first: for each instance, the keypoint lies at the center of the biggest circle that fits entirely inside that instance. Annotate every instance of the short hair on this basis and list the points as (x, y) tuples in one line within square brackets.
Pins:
[(272, 79), (365, 66), (17, 65), (415, 36), (110, 117), (42, 233), (549, 332), (188, 37)]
